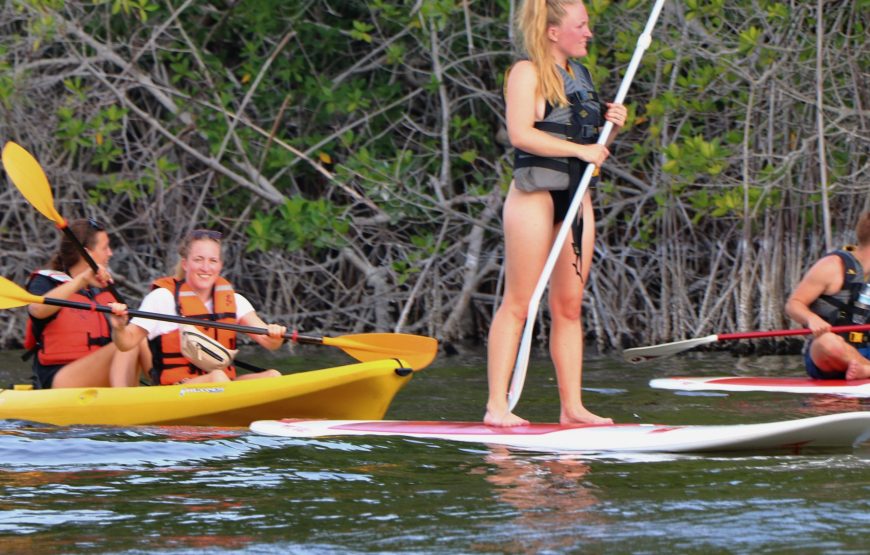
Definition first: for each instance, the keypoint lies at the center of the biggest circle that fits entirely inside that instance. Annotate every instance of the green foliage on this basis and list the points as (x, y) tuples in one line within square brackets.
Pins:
[(596, 8), (71, 130), (749, 39), (736, 201), (7, 81), (354, 90), (695, 156), (113, 185), (440, 11), (424, 246), (139, 8), (703, 8), (361, 31), (93, 134), (298, 224), (778, 11)]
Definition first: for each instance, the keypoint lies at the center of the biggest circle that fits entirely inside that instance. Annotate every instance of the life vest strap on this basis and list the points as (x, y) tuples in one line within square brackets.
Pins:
[(570, 130), (541, 162)]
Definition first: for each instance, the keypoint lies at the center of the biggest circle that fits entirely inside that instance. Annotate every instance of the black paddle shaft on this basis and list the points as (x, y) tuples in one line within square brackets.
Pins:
[(86, 255), (183, 320)]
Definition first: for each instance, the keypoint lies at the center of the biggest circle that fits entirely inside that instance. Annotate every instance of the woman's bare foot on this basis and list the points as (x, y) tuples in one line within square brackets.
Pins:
[(503, 419), (857, 370), (582, 416)]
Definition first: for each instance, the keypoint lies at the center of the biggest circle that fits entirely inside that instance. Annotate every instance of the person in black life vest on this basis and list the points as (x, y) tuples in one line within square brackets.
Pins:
[(828, 295), (73, 347), (197, 290), (553, 117)]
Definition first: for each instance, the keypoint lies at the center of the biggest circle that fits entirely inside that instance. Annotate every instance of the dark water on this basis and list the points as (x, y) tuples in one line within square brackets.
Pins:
[(193, 490)]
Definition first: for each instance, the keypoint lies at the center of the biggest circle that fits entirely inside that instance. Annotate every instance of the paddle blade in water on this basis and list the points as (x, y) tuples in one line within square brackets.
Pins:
[(641, 354), (27, 175), (416, 350), (13, 296)]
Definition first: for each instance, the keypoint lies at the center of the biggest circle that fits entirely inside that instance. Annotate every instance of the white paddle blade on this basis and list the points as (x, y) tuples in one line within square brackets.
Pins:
[(641, 354)]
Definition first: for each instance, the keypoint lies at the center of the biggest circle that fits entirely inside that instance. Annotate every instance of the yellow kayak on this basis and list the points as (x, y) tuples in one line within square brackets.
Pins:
[(355, 392)]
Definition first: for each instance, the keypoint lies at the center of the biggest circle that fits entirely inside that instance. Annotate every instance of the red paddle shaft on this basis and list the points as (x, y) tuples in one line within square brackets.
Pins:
[(780, 333)]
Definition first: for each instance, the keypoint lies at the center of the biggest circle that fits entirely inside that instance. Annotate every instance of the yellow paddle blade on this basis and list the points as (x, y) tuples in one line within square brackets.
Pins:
[(27, 175), (417, 350), (12, 296)]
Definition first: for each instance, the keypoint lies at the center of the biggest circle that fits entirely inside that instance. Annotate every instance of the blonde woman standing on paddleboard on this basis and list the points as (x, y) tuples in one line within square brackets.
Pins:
[(553, 120)]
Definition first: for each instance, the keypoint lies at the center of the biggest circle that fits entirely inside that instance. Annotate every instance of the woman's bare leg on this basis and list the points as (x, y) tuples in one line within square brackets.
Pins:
[(216, 376), (528, 220), (566, 334), (271, 373), (124, 371), (89, 371), (832, 353)]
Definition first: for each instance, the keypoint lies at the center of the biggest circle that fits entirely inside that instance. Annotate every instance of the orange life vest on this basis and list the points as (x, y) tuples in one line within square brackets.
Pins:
[(169, 366), (71, 333)]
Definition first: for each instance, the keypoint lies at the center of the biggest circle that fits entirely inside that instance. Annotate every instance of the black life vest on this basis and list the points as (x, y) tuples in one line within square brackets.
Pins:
[(839, 309), (580, 122)]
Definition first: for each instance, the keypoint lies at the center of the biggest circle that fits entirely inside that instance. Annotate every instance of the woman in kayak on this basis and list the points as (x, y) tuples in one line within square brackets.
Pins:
[(73, 348), (196, 291), (553, 118)]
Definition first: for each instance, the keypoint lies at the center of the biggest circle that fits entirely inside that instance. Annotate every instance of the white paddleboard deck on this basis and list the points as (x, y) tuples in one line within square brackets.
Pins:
[(850, 388), (844, 430)]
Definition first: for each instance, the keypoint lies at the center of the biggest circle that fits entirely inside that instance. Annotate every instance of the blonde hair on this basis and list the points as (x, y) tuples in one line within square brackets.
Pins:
[(533, 19), (184, 247)]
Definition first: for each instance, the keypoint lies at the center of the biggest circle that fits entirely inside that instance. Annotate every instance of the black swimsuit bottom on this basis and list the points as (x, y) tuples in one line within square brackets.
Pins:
[(561, 201)]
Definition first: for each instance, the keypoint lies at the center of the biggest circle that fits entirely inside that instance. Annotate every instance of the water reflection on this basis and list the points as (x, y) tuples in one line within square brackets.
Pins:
[(817, 405), (195, 490), (550, 496)]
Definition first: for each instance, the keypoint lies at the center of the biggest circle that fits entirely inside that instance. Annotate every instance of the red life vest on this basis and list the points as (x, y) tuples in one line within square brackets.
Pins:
[(170, 367), (70, 333)]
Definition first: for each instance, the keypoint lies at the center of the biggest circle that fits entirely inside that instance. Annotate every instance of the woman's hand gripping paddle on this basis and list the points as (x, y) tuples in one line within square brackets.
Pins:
[(27, 176)]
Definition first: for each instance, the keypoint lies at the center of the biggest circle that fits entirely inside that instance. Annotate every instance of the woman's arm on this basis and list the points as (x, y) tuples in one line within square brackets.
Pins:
[(276, 332), (65, 291), (522, 103), (817, 282), (124, 336)]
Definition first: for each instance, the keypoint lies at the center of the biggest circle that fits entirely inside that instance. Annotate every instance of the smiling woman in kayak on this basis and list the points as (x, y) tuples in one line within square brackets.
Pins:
[(196, 291), (553, 117), (73, 348)]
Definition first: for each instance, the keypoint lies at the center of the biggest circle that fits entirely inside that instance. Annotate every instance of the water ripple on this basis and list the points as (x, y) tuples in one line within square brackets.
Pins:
[(61, 448)]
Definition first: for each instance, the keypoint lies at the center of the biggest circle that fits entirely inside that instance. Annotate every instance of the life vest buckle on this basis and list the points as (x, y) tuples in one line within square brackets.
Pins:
[(856, 337)]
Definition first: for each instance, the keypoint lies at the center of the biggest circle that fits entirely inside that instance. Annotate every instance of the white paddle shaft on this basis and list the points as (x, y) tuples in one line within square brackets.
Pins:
[(522, 362)]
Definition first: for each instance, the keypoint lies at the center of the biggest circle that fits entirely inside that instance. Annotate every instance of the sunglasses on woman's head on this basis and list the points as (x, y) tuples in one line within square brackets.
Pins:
[(197, 234), (95, 225)]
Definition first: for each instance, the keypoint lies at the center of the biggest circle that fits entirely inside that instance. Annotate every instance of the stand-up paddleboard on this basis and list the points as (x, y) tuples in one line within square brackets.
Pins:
[(850, 388), (844, 430)]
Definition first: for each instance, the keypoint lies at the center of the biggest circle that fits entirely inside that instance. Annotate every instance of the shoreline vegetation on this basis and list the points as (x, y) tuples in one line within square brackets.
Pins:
[(354, 155)]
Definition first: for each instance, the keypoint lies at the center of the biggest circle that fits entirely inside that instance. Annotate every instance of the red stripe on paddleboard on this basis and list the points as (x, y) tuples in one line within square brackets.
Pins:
[(789, 382), (665, 429), (456, 428), (436, 427)]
